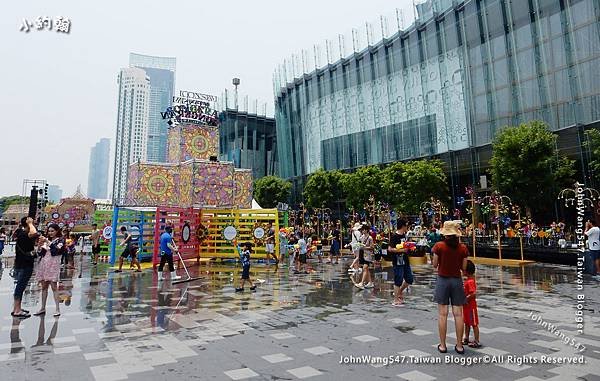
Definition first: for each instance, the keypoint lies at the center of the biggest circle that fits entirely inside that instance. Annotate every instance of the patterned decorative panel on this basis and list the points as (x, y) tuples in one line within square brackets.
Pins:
[(153, 184), (77, 214), (174, 145), (213, 183), (185, 185), (243, 188)]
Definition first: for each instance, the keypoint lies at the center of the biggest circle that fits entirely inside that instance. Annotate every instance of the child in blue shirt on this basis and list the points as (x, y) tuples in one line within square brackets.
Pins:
[(245, 257)]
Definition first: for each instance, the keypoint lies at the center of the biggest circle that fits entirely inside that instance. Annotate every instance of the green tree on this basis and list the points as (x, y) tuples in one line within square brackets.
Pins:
[(564, 173), (422, 180), (270, 190), (358, 186), (393, 184), (323, 188), (526, 166), (592, 143)]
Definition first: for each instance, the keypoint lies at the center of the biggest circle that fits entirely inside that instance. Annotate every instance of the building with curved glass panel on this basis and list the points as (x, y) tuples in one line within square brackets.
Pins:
[(444, 87)]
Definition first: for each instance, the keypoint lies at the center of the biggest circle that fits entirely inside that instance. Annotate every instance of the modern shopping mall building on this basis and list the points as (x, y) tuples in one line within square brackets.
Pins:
[(443, 88)]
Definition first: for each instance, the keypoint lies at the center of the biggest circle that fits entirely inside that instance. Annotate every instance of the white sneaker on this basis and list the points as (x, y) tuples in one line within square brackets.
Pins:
[(360, 270), (369, 285), (174, 275), (359, 285), (351, 270)]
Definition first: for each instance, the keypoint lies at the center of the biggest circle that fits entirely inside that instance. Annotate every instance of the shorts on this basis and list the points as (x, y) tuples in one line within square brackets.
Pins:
[(403, 273), (363, 262), (246, 272), (129, 252), (335, 247), (449, 291), (22, 277), (470, 316), (595, 254), (96, 249), (302, 258), (270, 248)]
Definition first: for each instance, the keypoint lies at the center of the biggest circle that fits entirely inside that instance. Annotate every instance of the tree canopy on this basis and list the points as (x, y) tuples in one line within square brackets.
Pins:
[(526, 166), (270, 190), (407, 185), (323, 188), (360, 185)]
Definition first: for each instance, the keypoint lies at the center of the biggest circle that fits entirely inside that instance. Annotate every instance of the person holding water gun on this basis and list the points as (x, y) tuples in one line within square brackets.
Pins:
[(396, 253), (245, 258)]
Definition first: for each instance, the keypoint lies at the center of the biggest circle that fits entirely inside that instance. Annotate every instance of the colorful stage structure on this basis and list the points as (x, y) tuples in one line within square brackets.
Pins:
[(76, 213), (194, 193)]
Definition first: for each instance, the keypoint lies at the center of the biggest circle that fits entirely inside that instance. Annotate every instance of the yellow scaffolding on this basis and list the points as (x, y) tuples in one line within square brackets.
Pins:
[(244, 221)]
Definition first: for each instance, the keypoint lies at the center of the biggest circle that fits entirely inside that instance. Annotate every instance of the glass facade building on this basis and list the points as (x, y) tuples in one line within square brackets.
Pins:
[(161, 71), (249, 141), (444, 87)]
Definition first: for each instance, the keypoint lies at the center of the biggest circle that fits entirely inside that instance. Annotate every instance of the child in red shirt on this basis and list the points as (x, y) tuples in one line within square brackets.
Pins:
[(470, 315)]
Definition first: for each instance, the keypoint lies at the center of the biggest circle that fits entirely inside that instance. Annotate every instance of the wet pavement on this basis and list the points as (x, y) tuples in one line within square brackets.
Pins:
[(129, 326)]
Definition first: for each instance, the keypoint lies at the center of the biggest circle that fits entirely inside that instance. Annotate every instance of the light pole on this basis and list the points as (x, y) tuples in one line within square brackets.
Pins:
[(235, 82)]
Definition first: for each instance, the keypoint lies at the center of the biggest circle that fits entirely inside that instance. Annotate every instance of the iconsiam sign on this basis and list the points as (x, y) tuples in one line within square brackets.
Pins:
[(192, 107), (190, 179)]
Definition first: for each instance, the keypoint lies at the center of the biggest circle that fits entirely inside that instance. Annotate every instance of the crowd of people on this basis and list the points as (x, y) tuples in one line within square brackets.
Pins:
[(48, 252), (455, 286)]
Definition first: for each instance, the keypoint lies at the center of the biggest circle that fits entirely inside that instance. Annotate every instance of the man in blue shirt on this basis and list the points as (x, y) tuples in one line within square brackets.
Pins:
[(167, 247)]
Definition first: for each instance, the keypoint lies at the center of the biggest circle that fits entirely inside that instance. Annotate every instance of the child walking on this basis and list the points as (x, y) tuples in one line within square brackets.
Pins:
[(245, 257), (470, 315)]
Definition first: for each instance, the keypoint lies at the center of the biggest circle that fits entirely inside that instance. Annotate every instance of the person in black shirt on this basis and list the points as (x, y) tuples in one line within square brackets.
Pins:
[(403, 275), (336, 243), (24, 258), (131, 250)]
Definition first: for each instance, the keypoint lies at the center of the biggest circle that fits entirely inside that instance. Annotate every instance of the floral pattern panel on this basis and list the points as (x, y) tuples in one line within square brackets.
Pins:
[(199, 142), (243, 189), (213, 184), (153, 185), (185, 186), (174, 145)]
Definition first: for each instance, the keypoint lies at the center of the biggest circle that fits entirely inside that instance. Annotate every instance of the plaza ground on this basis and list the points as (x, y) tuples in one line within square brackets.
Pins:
[(129, 327)]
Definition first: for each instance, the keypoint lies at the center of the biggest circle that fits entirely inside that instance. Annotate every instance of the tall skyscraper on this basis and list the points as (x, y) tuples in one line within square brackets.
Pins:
[(55, 193), (98, 172), (161, 71), (132, 126)]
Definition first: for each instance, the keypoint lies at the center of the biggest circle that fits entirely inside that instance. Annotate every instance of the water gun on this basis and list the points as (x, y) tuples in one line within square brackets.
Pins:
[(239, 249), (409, 246)]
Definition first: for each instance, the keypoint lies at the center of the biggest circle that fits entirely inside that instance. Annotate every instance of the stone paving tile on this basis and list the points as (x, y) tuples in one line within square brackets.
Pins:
[(277, 358), (308, 326), (304, 372), (241, 374), (317, 351)]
